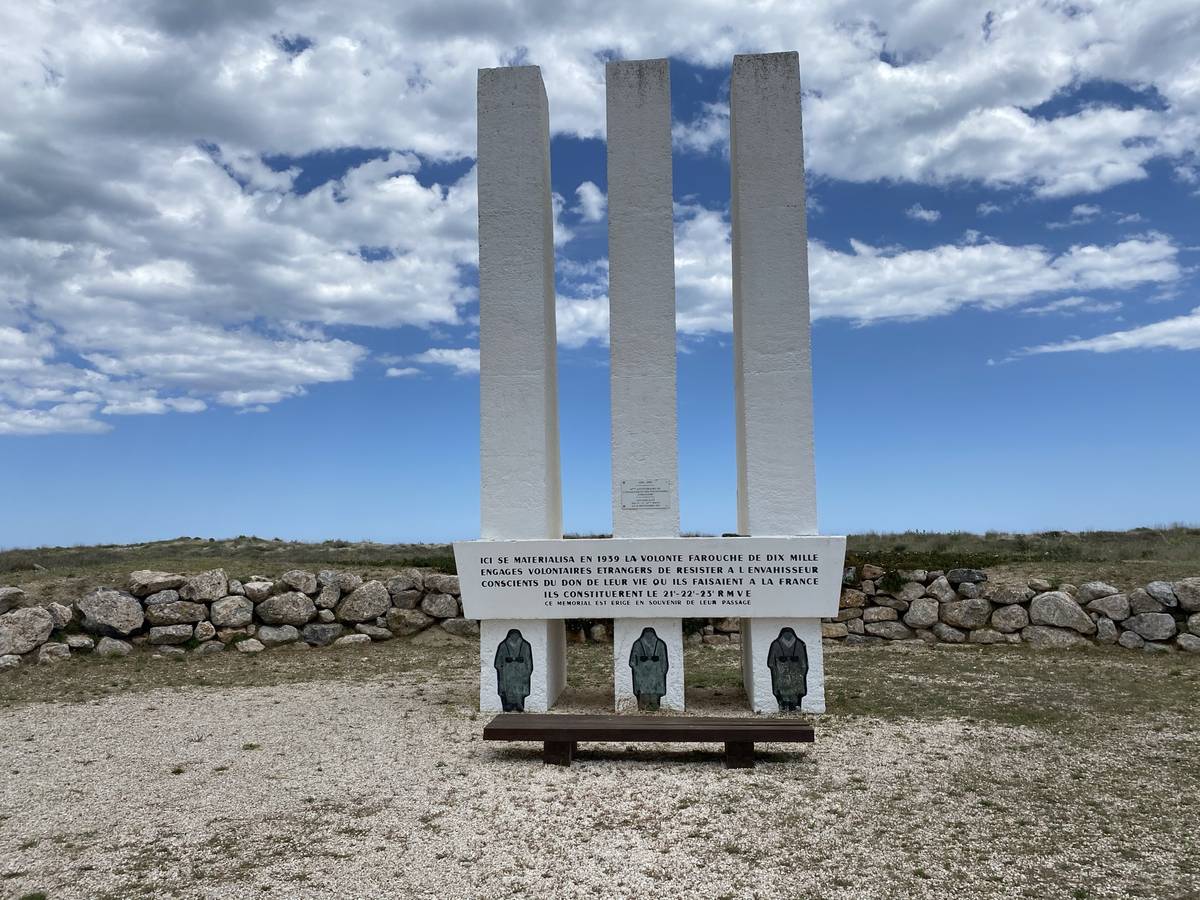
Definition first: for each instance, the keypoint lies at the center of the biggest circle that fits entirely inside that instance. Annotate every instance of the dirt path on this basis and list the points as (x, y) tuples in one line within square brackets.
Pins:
[(376, 783)]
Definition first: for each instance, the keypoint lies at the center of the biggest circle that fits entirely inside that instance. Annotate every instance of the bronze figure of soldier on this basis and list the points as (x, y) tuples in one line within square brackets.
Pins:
[(514, 665), (788, 661), (648, 659)]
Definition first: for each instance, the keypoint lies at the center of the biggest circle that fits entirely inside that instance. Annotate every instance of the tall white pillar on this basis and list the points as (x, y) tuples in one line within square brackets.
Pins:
[(521, 496), (641, 296), (772, 348)]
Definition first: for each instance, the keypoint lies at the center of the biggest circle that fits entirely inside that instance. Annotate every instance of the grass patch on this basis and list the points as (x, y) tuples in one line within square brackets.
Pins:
[(1124, 557), (91, 678)]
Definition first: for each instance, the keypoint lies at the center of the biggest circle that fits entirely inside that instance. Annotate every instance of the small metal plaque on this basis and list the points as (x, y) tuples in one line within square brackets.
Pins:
[(645, 493)]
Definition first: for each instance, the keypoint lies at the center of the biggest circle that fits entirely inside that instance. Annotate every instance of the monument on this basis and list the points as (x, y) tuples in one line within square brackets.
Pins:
[(641, 336), (522, 580)]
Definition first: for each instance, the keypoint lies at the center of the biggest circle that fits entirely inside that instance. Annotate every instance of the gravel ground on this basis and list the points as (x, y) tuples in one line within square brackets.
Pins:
[(937, 774)]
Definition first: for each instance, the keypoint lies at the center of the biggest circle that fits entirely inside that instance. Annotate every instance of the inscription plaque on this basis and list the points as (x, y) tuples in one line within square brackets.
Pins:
[(645, 493), (798, 577)]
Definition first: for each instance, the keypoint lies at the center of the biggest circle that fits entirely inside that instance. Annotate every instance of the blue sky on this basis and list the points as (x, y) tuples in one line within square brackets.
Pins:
[(237, 250)]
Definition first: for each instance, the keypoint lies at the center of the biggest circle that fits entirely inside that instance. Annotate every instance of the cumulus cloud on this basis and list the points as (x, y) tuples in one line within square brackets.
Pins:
[(919, 213), (161, 249), (592, 204), (1081, 214), (463, 360), (211, 290), (976, 103), (705, 133), (868, 284), (562, 233), (1179, 333)]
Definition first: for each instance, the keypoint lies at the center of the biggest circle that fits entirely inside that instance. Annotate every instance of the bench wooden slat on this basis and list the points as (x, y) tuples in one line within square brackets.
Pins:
[(683, 729)]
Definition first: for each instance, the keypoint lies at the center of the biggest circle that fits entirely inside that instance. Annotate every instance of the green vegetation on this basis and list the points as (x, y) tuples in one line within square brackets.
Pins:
[(245, 554), (1124, 557), (1169, 547), (93, 678)]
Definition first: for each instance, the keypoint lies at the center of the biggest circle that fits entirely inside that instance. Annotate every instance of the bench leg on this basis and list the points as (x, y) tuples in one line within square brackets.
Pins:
[(557, 753), (739, 754)]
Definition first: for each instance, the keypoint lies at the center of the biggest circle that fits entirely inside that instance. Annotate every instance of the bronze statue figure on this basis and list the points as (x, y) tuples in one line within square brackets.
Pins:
[(788, 661), (648, 659), (514, 665)]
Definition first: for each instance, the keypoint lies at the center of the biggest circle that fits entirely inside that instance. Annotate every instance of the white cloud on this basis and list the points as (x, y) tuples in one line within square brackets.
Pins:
[(869, 284), (592, 202), (155, 255), (217, 292), (55, 419), (402, 372), (1081, 214), (1179, 333), (154, 406), (582, 319), (464, 360), (707, 132), (562, 234), (919, 213), (1069, 306), (988, 209), (965, 105)]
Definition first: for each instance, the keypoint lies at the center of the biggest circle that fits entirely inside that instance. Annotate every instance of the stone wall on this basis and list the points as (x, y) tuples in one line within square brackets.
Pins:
[(210, 613), (962, 606), (176, 614)]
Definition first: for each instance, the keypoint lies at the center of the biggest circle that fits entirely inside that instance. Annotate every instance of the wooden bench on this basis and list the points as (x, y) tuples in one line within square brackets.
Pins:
[(560, 734)]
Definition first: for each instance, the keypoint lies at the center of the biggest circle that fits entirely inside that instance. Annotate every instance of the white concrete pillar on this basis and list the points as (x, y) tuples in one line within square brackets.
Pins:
[(521, 496), (641, 296), (772, 348)]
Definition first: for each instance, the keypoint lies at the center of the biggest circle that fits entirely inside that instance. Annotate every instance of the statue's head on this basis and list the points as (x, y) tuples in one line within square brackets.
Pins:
[(649, 633), (513, 634), (788, 634)]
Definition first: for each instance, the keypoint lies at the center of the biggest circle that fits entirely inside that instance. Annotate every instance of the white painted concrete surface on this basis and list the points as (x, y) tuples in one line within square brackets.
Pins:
[(772, 358), (757, 635), (641, 297), (521, 494), (772, 345), (641, 290), (625, 633), (547, 641)]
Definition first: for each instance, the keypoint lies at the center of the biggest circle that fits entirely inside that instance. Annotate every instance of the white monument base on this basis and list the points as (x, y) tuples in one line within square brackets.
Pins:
[(548, 645), (626, 633), (757, 637)]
